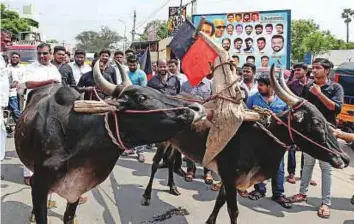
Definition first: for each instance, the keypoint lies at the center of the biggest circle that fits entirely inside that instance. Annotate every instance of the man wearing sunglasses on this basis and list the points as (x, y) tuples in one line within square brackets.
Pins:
[(219, 25), (39, 73)]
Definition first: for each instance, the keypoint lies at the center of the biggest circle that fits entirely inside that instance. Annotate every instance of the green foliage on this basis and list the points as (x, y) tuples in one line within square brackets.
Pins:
[(92, 41), (52, 41), (306, 36), (318, 42), (161, 30), (10, 20)]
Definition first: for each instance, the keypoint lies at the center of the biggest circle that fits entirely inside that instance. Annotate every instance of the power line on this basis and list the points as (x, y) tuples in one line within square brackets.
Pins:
[(153, 13)]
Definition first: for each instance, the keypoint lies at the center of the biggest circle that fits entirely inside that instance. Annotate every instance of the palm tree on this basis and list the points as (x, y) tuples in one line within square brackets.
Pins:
[(346, 15)]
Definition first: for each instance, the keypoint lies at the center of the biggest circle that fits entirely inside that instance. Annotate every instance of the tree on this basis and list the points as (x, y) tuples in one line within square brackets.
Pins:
[(346, 15), (157, 26), (300, 29), (318, 42), (92, 41), (11, 21)]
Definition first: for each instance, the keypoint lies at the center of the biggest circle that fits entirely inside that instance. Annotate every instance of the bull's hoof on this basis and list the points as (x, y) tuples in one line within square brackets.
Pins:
[(51, 204), (209, 221), (174, 191), (145, 202), (73, 221), (32, 218)]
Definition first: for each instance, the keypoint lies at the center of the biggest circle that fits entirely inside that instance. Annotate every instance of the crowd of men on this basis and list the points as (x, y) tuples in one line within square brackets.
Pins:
[(53, 67)]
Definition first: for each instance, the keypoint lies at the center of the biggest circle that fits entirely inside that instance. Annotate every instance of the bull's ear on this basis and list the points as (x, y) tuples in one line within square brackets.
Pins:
[(299, 116)]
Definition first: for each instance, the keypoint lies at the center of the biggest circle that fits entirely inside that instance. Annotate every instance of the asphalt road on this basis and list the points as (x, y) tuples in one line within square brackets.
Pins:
[(117, 200)]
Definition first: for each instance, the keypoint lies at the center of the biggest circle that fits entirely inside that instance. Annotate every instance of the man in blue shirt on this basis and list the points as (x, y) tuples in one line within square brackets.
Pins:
[(265, 98), (136, 76)]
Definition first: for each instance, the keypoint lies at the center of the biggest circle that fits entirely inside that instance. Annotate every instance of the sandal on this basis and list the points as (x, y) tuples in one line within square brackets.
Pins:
[(291, 179), (283, 201), (216, 187), (243, 194), (313, 183), (324, 212), (208, 179), (255, 195), (189, 176), (298, 198)]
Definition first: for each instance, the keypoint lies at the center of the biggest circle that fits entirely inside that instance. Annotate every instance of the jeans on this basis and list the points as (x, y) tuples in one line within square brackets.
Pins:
[(14, 107), (292, 161), (326, 171), (191, 167), (277, 183)]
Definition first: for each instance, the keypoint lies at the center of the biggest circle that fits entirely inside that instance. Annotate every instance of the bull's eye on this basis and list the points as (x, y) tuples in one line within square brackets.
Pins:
[(141, 99)]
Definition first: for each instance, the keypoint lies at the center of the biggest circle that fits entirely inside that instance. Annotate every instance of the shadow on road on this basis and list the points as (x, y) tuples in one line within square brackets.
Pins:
[(127, 198), (268, 207), (13, 173), (142, 169)]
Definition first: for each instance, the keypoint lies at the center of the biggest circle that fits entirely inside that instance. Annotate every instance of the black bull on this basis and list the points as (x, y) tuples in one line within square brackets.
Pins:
[(71, 153), (253, 155)]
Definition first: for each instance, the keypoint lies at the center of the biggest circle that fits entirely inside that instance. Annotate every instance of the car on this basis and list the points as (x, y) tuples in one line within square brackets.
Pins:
[(344, 75)]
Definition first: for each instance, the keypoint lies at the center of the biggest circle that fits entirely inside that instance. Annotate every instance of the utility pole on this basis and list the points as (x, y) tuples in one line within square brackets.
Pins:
[(180, 8), (133, 31)]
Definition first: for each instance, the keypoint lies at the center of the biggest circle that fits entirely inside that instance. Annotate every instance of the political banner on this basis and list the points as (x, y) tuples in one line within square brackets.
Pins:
[(175, 19), (262, 38)]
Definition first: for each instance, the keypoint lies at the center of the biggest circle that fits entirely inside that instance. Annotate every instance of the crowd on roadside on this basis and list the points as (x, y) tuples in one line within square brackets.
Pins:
[(54, 66)]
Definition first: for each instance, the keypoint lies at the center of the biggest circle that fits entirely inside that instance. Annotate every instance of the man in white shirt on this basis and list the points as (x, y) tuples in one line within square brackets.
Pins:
[(15, 75), (173, 69), (4, 91), (78, 66), (37, 74)]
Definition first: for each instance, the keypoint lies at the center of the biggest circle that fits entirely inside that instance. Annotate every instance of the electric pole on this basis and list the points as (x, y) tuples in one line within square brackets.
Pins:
[(133, 31)]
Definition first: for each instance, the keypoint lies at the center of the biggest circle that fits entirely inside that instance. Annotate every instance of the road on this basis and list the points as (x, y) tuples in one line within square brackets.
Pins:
[(117, 200)]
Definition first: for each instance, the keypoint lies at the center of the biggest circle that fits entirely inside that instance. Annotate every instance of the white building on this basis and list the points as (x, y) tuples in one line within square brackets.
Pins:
[(337, 57)]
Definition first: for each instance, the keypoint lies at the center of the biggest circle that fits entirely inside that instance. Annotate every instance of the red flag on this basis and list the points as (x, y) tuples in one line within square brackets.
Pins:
[(196, 61)]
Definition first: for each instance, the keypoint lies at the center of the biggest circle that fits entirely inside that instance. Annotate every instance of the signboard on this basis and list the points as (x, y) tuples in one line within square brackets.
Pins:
[(175, 19), (259, 37)]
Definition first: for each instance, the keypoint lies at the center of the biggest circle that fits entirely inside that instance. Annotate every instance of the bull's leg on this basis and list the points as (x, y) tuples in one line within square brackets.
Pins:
[(231, 198), (69, 215), (39, 199), (220, 201), (171, 182), (155, 164)]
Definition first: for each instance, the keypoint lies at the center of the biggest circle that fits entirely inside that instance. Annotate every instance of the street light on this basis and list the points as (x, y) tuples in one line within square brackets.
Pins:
[(125, 32)]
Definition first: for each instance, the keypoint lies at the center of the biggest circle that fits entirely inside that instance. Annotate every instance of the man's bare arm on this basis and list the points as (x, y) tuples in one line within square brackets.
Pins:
[(36, 84)]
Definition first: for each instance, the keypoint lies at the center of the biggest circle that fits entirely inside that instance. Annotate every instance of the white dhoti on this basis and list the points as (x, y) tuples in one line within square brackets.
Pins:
[(3, 135)]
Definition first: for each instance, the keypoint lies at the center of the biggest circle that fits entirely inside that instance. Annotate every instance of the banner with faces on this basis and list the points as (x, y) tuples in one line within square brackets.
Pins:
[(262, 38)]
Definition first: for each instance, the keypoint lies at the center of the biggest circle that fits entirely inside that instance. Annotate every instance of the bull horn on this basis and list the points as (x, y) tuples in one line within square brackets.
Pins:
[(286, 88), (125, 78), (280, 92), (107, 87)]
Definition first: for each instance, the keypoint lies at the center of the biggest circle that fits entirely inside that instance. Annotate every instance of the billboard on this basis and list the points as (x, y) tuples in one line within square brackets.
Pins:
[(175, 19), (262, 37)]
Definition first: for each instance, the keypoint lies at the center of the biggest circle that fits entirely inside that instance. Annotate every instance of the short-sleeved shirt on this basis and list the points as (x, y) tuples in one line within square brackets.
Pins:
[(182, 78), (276, 106), (171, 86), (36, 72), (138, 77), (15, 75), (333, 91), (202, 90)]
